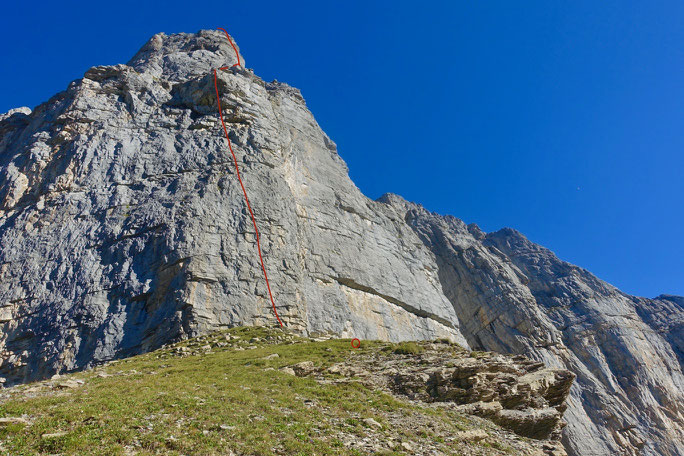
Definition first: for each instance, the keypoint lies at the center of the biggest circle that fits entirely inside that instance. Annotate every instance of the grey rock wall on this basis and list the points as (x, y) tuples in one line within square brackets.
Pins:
[(513, 296), (123, 227)]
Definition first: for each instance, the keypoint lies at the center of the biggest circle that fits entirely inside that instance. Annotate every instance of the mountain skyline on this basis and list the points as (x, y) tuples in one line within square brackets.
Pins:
[(558, 121), (124, 227)]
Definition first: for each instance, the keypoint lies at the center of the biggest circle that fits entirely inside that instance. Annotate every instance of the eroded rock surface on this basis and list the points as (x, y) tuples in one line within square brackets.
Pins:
[(513, 296), (515, 392)]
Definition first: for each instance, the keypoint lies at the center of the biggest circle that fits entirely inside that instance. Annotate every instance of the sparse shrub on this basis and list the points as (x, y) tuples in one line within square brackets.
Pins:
[(408, 348)]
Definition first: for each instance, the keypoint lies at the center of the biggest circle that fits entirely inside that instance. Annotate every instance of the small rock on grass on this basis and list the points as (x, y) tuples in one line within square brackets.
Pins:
[(53, 435), (304, 368), (69, 384), (472, 436), (287, 370), (372, 423), (12, 420)]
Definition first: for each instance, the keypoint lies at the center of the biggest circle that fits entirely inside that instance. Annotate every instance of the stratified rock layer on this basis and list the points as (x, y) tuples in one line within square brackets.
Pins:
[(123, 227), (513, 296), (514, 391)]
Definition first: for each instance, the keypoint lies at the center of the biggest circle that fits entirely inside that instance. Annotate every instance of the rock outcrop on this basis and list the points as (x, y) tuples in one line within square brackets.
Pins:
[(515, 392), (513, 296), (123, 227)]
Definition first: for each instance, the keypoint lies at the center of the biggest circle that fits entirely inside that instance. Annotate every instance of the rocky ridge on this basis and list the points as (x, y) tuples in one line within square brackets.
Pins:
[(513, 296), (123, 228)]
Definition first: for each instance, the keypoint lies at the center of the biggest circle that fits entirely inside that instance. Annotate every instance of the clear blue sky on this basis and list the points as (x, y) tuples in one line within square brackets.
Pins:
[(562, 119)]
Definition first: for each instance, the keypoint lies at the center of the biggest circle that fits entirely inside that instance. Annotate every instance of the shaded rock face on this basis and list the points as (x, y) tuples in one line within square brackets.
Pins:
[(513, 296), (123, 227)]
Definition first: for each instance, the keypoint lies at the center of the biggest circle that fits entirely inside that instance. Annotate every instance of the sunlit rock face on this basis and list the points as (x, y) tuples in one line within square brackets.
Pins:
[(514, 296), (123, 227)]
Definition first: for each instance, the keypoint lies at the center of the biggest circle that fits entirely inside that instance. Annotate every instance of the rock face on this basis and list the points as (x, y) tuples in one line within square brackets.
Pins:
[(513, 391), (513, 296), (519, 395), (123, 227)]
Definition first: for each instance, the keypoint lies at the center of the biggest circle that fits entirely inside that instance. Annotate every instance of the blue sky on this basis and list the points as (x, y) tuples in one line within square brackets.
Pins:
[(562, 119)]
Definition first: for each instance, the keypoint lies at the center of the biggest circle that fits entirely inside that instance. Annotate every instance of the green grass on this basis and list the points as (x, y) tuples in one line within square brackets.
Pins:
[(177, 405), (408, 348), (211, 404)]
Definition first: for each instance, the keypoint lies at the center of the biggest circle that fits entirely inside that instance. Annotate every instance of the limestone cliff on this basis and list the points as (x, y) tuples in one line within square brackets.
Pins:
[(123, 227), (513, 296)]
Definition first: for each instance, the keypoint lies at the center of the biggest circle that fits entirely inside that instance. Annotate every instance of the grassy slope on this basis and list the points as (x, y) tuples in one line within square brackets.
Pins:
[(227, 401)]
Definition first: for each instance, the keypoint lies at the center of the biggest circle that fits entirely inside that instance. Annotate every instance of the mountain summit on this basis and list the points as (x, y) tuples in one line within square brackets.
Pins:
[(123, 228)]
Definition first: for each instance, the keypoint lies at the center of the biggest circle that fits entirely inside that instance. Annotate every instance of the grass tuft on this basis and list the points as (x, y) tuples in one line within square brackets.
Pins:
[(408, 348)]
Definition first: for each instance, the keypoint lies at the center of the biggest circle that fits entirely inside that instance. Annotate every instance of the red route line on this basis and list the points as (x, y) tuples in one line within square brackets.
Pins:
[(231, 43), (244, 192)]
